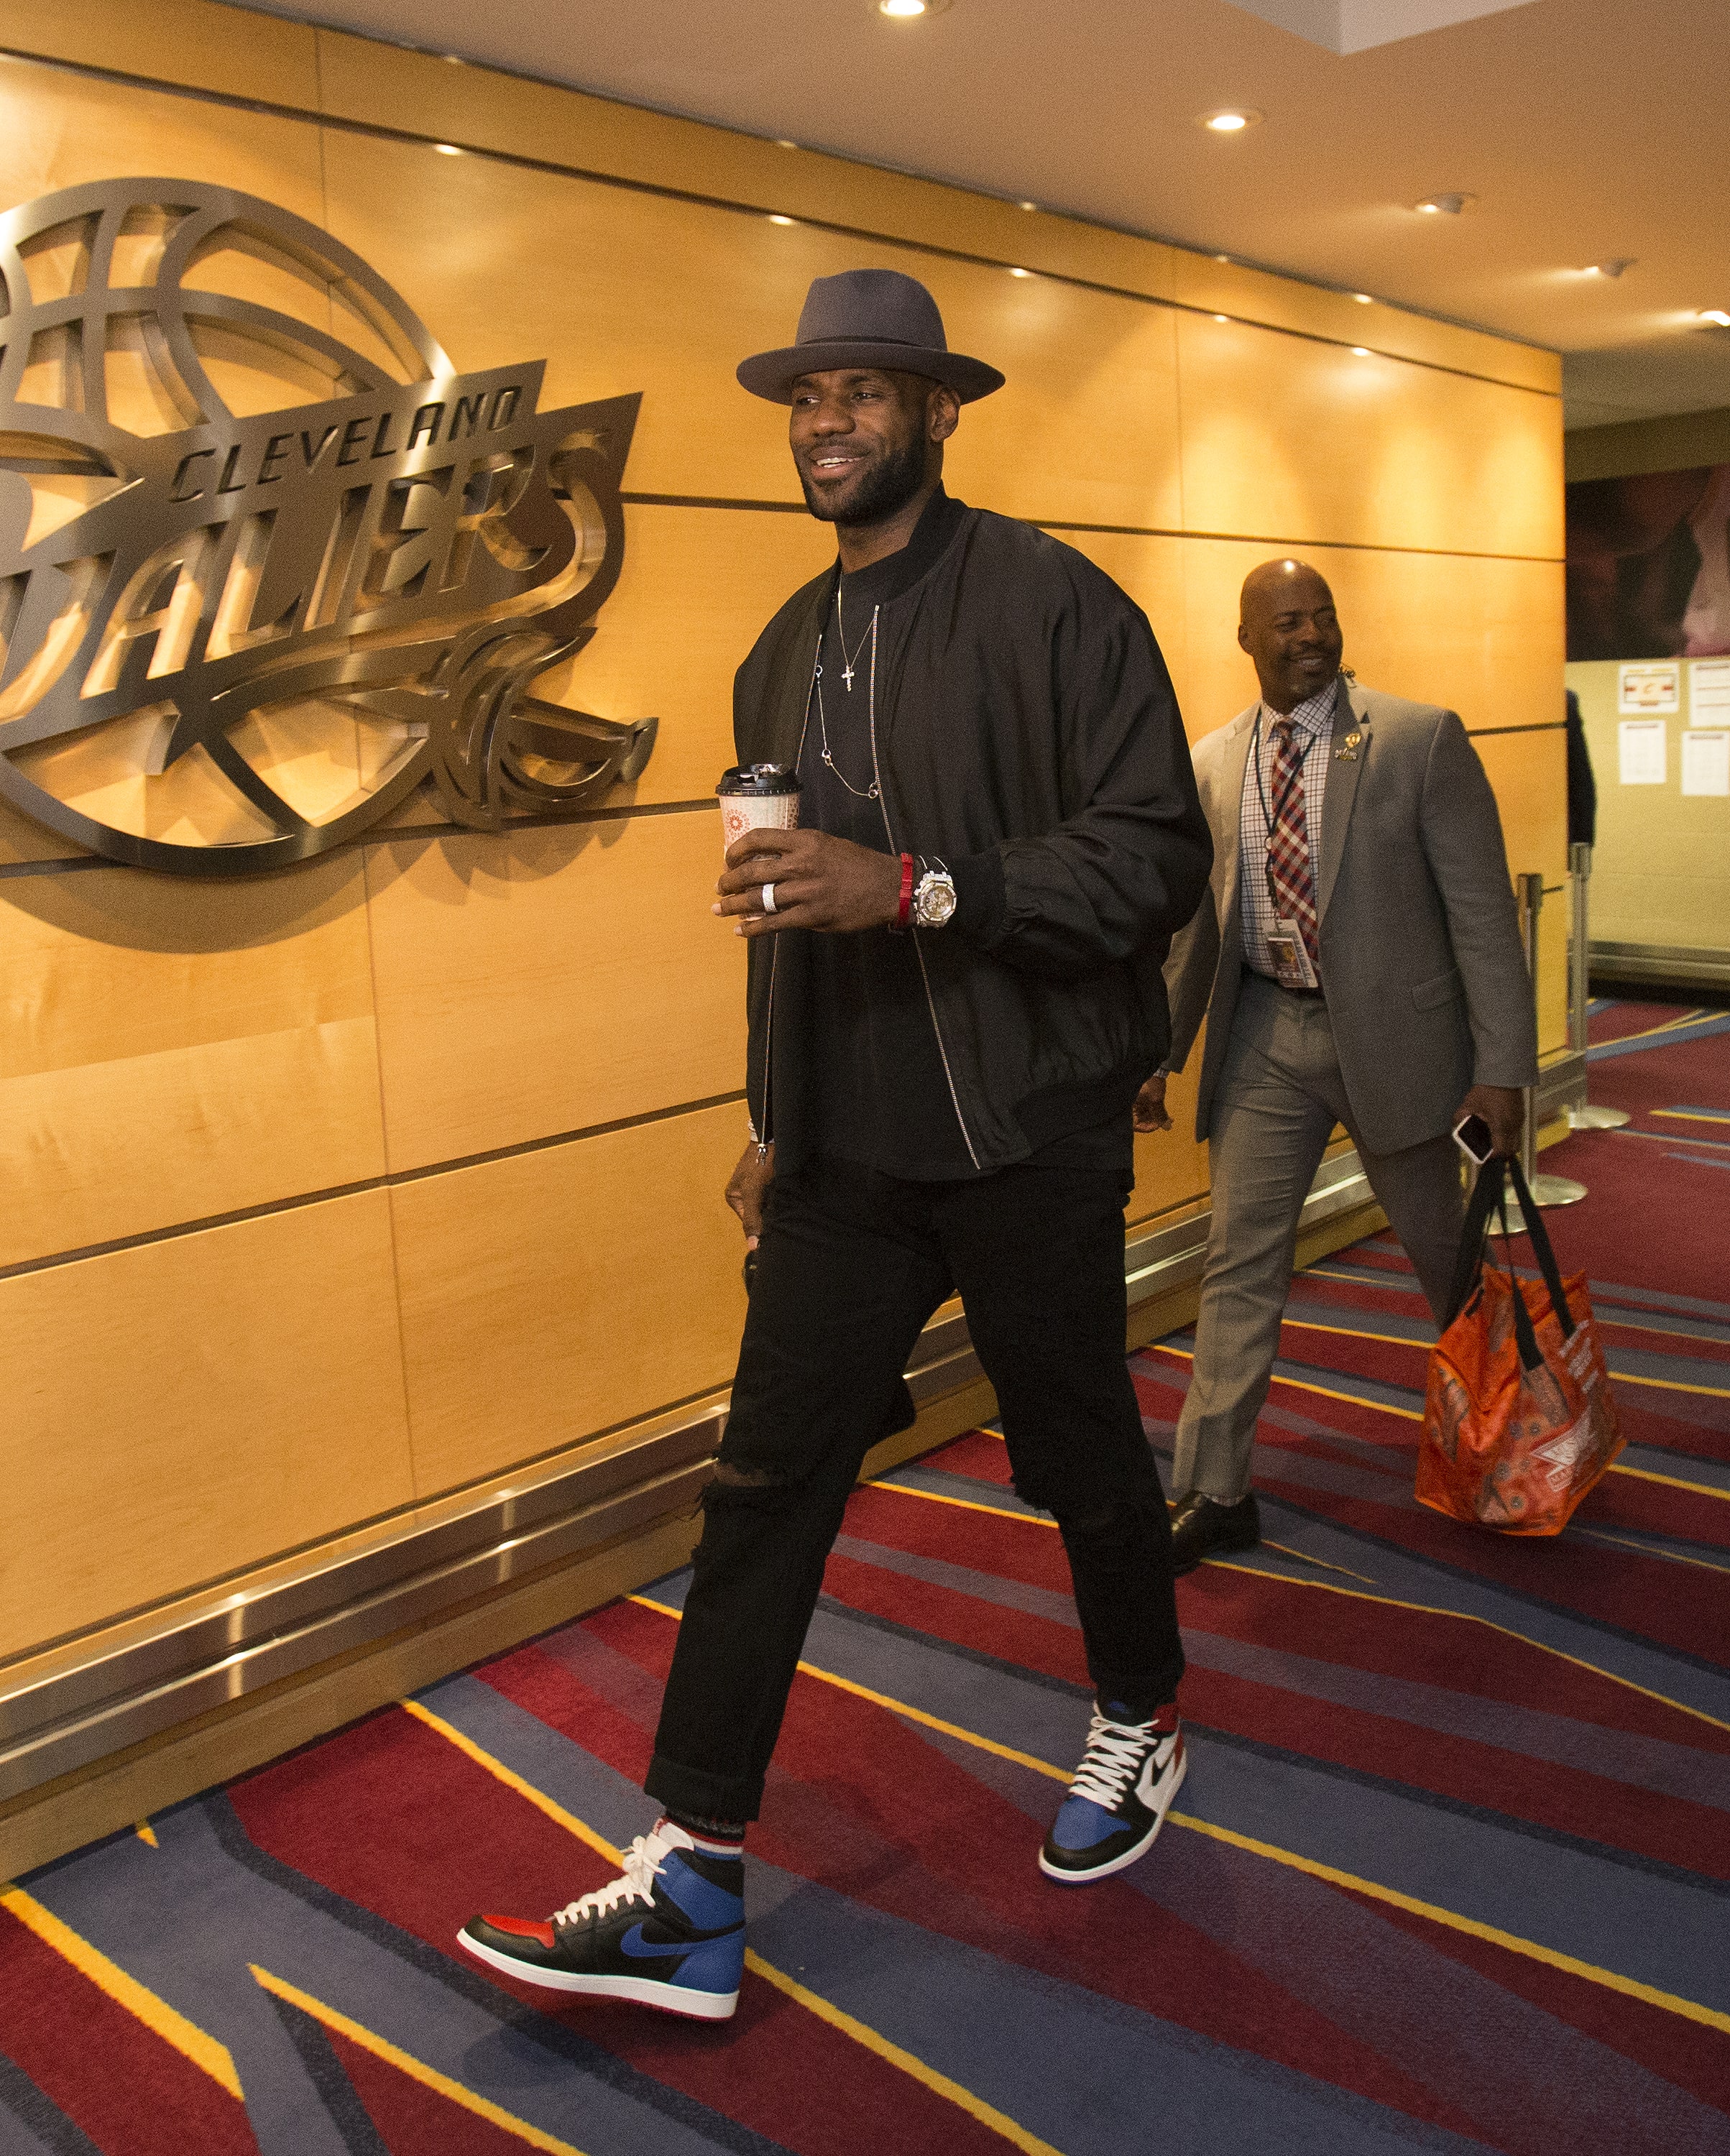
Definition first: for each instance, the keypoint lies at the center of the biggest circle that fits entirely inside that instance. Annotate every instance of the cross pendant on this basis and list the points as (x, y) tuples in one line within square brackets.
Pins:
[(847, 676)]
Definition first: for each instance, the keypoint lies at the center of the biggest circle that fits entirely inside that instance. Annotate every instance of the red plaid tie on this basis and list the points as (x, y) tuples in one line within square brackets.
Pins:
[(1288, 842)]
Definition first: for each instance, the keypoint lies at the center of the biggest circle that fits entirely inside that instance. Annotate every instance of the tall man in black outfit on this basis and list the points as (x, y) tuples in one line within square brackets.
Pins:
[(955, 991)]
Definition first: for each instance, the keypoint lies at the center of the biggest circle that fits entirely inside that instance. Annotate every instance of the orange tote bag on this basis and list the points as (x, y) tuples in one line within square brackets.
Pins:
[(1519, 1421)]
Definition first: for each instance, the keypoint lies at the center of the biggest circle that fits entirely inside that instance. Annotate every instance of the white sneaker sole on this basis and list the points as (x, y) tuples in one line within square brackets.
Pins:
[(642, 1990), (1129, 1855)]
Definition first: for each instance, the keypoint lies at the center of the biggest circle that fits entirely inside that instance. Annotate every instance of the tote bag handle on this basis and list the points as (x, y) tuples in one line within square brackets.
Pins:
[(1489, 1194)]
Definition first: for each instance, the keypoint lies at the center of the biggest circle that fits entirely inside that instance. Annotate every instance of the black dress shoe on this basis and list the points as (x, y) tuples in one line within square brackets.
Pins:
[(1200, 1525)]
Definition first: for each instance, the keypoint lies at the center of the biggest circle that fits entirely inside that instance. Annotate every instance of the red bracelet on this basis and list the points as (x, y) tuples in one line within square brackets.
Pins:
[(904, 911)]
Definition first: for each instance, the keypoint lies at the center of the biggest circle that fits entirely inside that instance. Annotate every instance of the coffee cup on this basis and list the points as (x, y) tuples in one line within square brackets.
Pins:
[(757, 797)]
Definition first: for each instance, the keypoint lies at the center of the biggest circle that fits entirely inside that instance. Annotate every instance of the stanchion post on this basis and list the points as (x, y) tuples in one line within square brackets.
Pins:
[(1547, 1190), (1585, 1117)]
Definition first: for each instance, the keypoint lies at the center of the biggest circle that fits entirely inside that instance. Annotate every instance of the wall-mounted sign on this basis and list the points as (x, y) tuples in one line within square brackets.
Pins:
[(267, 560)]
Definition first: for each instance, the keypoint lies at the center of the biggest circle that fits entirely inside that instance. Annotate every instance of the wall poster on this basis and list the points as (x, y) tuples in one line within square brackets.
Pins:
[(1649, 565)]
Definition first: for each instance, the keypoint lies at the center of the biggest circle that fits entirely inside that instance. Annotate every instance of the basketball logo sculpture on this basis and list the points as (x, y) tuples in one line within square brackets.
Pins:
[(259, 578)]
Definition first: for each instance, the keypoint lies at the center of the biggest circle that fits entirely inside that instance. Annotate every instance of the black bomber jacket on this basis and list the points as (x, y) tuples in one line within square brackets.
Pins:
[(1026, 733)]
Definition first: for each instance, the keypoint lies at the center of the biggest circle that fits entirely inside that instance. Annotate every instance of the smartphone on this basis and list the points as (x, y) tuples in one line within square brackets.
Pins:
[(1471, 1134)]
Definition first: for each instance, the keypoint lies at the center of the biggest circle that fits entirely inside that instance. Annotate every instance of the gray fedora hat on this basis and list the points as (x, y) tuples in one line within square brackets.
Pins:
[(868, 318)]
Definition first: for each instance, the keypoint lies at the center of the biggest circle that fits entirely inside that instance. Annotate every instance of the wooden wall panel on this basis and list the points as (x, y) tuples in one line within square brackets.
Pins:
[(176, 1412), (1285, 437), (1529, 772), (667, 297), (551, 1296), (549, 981), (1258, 295), (175, 1051), (229, 50), (62, 130)]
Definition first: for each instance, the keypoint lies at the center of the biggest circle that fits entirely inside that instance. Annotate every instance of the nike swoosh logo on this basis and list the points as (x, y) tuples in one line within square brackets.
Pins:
[(634, 1944)]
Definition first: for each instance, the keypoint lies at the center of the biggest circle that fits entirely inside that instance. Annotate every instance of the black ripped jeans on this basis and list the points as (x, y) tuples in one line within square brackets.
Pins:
[(851, 1265)]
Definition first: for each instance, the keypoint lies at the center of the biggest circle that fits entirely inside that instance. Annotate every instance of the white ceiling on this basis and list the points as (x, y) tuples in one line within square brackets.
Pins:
[(1587, 130)]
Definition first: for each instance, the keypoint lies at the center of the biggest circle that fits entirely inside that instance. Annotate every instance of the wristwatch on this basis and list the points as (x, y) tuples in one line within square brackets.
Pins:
[(933, 898)]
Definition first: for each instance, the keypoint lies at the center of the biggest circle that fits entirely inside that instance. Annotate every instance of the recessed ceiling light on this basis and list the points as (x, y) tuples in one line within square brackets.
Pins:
[(1614, 268), (1232, 120), (456, 59), (1718, 315), (1448, 205), (1222, 318), (1222, 257), (775, 218), (1360, 351), (783, 145), (1365, 298), (447, 150), (1027, 205), (908, 11), (1021, 273)]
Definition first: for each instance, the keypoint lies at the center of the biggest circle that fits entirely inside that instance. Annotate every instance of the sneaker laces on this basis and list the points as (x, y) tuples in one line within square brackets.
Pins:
[(1115, 1754), (643, 1861)]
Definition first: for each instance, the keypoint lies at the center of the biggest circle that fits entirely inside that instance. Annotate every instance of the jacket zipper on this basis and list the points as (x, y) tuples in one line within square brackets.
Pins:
[(924, 977), (766, 1136)]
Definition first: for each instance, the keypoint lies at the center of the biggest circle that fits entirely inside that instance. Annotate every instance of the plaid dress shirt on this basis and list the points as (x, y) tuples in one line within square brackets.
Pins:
[(1314, 717)]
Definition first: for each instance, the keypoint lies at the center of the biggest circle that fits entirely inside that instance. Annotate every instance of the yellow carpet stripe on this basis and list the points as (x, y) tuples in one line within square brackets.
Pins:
[(1630, 1987), (1350, 1280), (156, 2015), (1394, 1340), (1286, 1579), (1302, 1385), (1646, 1549), (146, 1834), (975, 2106), (1691, 1115), (496, 1768), (381, 2047), (1471, 1617), (966, 1504), (1670, 1025), (1302, 1557), (1514, 1944), (1675, 1481), (1672, 1385)]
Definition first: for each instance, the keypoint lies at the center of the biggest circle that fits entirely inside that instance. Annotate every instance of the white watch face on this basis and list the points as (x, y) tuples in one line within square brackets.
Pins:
[(935, 901)]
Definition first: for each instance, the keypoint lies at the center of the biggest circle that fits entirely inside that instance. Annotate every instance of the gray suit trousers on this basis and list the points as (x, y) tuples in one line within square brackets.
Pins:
[(1279, 1096)]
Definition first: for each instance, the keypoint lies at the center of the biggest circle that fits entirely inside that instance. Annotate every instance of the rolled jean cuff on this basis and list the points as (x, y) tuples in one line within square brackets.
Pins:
[(695, 1790)]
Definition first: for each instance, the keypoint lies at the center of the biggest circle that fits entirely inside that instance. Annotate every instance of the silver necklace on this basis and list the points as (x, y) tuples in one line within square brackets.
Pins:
[(859, 792), (849, 662)]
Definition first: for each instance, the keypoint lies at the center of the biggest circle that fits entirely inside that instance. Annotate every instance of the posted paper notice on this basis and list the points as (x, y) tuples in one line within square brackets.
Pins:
[(1643, 751), (1709, 693), (1706, 760), (1649, 687)]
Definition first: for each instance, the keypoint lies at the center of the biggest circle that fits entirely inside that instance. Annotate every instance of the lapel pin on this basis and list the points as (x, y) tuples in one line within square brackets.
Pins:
[(1347, 753)]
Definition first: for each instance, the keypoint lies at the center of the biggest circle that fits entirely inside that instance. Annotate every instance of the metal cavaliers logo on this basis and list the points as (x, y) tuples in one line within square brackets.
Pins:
[(240, 626)]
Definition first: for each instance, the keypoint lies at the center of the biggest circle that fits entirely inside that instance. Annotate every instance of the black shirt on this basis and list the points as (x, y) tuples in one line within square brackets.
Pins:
[(882, 1096)]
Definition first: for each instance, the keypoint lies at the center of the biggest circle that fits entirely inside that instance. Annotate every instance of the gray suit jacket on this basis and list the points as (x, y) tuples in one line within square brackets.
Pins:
[(1425, 980)]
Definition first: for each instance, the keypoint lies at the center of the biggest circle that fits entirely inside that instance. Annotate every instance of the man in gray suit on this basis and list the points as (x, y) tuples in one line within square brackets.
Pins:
[(1358, 961)]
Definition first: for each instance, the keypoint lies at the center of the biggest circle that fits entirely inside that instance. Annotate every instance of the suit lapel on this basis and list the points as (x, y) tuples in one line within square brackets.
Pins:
[(1343, 771), (1234, 764)]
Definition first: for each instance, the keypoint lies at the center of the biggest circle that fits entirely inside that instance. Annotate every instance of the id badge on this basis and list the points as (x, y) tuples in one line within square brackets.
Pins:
[(1291, 959)]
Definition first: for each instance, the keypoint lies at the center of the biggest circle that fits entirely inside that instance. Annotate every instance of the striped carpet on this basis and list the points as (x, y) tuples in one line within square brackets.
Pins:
[(1452, 1870)]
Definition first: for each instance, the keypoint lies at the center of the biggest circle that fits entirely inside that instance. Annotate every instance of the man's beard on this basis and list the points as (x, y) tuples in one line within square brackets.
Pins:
[(891, 485)]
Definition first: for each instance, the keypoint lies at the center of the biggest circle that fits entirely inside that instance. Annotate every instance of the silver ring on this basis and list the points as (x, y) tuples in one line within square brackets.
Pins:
[(768, 898)]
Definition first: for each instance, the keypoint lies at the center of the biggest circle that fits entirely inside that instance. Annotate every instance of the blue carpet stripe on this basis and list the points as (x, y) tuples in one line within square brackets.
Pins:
[(1704, 1029)]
